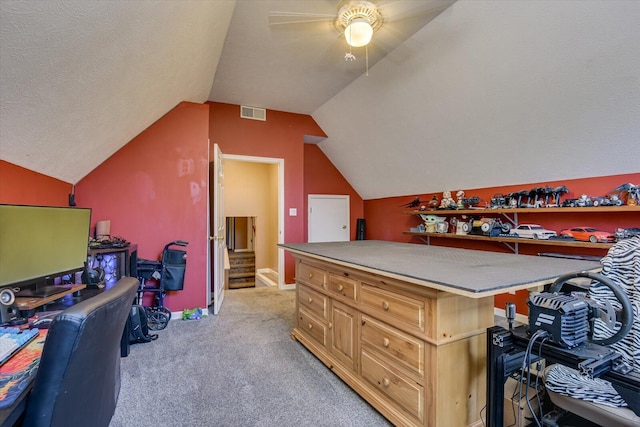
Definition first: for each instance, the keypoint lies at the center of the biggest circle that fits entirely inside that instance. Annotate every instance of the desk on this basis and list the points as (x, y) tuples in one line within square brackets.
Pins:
[(31, 303), (404, 325)]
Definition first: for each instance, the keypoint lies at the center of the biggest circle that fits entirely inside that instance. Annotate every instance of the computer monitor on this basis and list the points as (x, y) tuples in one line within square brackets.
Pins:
[(40, 243)]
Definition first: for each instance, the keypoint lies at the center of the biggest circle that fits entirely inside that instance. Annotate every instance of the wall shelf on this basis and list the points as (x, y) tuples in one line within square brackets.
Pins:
[(510, 240), (512, 216)]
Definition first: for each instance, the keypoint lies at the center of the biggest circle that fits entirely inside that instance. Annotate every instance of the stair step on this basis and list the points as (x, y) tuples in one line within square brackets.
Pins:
[(242, 275), (239, 285)]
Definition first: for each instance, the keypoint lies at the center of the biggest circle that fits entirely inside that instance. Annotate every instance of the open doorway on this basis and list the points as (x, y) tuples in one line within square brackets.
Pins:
[(254, 205)]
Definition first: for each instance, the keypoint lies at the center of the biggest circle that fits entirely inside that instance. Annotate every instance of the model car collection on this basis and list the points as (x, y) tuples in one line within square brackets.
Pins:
[(533, 231), (589, 234), (539, 197)]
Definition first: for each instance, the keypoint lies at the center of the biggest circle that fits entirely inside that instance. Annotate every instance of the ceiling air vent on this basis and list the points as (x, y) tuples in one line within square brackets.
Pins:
[(253, 113)]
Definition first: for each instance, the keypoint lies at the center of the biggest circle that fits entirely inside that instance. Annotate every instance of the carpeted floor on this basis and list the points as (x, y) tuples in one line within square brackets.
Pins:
[(240, 368)]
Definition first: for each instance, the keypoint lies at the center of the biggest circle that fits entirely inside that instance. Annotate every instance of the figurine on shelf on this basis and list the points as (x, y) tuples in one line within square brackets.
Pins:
[(447, 201), (433, 203), (460, 197)]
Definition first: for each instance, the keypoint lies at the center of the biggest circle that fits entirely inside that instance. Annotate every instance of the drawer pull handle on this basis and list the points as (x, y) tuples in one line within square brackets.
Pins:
[(340, 287), (330, 325), (310, 275), (385, 305), (385, 382), (385, 342), (310, 326), (310, 300)]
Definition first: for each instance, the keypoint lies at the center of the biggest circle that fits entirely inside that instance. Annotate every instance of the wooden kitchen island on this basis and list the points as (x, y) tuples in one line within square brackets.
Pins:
[(404, 325)]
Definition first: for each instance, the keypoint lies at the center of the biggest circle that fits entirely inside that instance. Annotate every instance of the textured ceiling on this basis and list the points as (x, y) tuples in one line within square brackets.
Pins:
[(465, 95), (78, 80)]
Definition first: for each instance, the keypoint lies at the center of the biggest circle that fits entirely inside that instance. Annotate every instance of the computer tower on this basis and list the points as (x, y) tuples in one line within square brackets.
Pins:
[(360, 229)]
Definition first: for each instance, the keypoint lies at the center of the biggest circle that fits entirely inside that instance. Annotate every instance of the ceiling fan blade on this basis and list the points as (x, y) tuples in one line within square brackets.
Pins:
[(395, 10), (281, 18)]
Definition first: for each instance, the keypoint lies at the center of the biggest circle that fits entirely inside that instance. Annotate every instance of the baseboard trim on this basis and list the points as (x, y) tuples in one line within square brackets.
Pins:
[(261, 276), (287, 287)]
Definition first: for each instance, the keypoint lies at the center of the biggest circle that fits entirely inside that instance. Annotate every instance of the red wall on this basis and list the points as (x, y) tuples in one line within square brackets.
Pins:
[(20, 186), (154, 190), (322, 177), (385, 220), (280, 136)]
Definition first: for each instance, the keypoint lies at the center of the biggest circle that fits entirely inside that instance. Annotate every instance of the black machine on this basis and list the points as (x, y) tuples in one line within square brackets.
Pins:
[(169, 274), (568, 319), (560, 330)]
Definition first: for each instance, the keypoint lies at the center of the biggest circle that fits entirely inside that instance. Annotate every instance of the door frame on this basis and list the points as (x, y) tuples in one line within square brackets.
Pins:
[(280, 163)]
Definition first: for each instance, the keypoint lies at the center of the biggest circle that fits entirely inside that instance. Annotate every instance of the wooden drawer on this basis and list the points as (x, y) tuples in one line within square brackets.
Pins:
[(313, 301), (312, 327), (311, 275), (404, 349), (343, 286), (403, 392), (409, 311)]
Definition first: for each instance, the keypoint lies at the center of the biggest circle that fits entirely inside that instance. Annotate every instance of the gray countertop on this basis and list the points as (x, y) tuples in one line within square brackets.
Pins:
[(467, 272)]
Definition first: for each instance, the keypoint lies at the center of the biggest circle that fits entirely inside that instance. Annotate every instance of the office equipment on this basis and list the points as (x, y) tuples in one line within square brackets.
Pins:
[(8, 309), (78, 378), (32, 238), (12, 340)]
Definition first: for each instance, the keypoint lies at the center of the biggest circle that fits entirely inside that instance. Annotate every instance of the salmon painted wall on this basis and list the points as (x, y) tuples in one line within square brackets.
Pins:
[(20, 186), (280, 136), (385, 220), (322, 177), (154, 190)]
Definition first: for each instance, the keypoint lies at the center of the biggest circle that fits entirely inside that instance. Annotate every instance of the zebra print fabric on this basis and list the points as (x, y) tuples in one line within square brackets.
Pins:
[(622, 266)]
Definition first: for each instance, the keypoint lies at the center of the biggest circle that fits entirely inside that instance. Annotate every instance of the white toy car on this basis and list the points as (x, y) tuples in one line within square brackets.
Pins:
[(533, 231)]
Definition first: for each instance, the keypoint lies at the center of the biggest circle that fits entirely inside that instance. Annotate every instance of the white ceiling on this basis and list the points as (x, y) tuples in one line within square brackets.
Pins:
[(481, 93)]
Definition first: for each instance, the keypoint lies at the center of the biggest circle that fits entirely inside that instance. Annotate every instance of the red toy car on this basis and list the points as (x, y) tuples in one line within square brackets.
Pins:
[(589, 234)]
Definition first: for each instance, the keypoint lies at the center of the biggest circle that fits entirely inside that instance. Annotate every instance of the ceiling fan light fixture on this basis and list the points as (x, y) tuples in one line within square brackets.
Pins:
[(359, 32)]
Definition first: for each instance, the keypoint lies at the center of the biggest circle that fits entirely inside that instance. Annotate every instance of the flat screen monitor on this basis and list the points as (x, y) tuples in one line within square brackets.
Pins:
[(39, 243)]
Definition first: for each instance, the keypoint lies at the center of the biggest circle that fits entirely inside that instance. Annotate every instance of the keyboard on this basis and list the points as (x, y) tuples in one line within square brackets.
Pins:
[(43, 292), (14, 339)]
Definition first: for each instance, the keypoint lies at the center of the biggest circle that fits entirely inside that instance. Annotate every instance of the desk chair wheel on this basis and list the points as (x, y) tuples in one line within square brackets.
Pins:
[(156, 319)]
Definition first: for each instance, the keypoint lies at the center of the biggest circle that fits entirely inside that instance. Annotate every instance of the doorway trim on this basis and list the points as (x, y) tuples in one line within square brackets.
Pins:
[(280, 163)]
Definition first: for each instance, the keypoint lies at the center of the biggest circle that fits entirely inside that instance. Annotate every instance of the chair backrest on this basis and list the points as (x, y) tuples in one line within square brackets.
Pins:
[(78, 379)]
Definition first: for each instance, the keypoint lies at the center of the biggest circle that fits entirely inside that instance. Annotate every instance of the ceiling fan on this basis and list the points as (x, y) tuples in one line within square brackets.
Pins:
[(358, 20)]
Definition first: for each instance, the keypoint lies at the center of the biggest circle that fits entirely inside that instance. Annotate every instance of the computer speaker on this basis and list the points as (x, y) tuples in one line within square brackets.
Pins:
[(8, 308), (360, 229)]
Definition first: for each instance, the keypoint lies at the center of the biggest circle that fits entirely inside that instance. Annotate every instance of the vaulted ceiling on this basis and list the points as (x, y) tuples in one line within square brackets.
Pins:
[(462, 94)]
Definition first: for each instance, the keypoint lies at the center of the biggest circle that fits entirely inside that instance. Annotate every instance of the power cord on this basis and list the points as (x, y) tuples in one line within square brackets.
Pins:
[(526, 362)]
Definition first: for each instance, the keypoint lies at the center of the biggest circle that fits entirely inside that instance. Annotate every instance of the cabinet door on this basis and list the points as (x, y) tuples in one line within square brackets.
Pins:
[(343, 332)]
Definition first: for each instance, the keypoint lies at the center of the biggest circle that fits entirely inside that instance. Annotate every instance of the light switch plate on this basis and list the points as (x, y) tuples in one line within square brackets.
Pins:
[(293, 212)]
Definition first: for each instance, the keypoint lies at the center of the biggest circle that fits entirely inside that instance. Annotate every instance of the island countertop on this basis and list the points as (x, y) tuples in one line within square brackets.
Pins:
[(472, 273)]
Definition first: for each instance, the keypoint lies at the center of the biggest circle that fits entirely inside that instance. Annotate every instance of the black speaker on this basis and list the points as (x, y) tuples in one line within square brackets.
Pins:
[(360, 226), (8, 308)]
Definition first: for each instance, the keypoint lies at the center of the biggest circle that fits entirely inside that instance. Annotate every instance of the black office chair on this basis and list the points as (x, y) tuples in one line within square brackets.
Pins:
[(78, 380)]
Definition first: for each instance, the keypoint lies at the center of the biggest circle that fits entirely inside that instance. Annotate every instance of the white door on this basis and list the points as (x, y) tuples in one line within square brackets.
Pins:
[(328, 218), (217, 239)]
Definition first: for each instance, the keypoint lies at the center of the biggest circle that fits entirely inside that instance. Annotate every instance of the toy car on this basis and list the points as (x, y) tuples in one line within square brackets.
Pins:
[(588, 234), (533, 231), (625, 233)]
